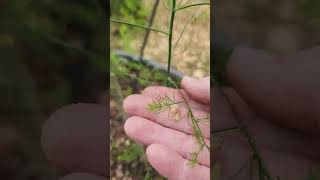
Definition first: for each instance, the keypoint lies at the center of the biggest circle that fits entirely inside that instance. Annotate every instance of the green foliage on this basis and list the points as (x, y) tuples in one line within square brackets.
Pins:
[(314, 173), (133, 12), (214, 172), (127, 91), (143, 75), (161, 104), (131, 153), (54, 34), (148, 176), (194, 123), (128, 9), (309, 8)]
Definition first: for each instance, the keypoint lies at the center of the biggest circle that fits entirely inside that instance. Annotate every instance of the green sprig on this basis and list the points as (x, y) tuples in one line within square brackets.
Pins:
[(161, 104)]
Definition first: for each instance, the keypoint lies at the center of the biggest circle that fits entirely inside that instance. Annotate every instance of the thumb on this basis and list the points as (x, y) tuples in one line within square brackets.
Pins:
[(198, 89)]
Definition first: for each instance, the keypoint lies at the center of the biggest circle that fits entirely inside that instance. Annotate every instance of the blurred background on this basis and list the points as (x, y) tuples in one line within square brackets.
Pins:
[(52, 54), (276, 26), (191, 57), (280, 26)]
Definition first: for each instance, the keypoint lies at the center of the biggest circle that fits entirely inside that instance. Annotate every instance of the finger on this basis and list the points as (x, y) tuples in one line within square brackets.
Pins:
[(226, 103), (198, 89), (278, 88), (173, 166), (137, 105), (148, 132), (82, 176), (156, 91), (74, 139)]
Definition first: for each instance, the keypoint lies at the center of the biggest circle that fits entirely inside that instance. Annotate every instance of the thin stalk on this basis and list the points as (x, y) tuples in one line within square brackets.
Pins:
[(170, 35), (146, 35), (225, 130), (183, 31), (192, 5), (179, 3), (183, 4), (263, 171), (196, 129), (177, 42), (164, 5), (139, 26)]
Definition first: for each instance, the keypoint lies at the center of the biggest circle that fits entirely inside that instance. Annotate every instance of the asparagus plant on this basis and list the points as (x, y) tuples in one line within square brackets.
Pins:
[(166, 102)]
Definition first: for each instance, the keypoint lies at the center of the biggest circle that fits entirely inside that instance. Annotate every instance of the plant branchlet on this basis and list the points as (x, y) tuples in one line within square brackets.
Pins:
[(256, 158), (165, 102)]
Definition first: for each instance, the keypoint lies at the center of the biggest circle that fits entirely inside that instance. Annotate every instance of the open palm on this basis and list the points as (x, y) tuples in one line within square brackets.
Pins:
[(170, 141)]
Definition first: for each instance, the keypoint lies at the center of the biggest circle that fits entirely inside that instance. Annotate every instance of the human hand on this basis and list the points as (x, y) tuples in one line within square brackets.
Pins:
[(276, 97), (74, 140), (170, 142)]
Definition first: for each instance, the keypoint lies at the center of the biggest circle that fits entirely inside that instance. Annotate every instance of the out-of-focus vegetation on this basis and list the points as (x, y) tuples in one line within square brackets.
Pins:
[(309, 9), (281, 26), (52, 54)]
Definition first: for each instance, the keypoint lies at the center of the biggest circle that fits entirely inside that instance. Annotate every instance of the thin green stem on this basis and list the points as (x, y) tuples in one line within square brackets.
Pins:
[(139, 26), (191, 5), (177, 42), (263, 171), (164, 5), (195, 126), (173, 12), (146, 35), (225, 130), (184, 4), (179, 3)]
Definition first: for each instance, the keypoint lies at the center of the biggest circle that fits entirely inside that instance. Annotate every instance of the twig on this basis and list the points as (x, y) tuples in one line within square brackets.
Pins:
[(263, 171), (191, 5), (196, 128), (146, 35), (139, 26), (173, 12), (224, 130)]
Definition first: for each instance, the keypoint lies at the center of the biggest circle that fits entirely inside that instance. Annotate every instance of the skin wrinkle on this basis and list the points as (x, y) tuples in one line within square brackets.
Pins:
[(154, 131), (184, 147), (181, 125), (178, 171), (183, 170)]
